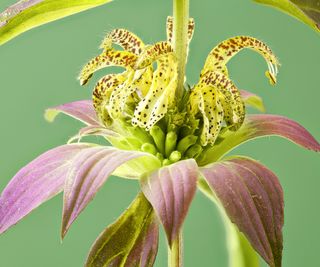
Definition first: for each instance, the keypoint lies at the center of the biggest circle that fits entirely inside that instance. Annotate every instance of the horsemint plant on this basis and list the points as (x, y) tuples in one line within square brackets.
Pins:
[(171, 138)]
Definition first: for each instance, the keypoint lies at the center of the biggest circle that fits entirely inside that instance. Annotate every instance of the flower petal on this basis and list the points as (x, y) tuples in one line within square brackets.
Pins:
[(137, 84), (37, 182), (130, 241), (88, 172), (207, 100), (253, 199), (222, 53), (102, 92), (161, 94), (124, 38), (152, 53), (252, 100), (258, 126), (107, 58), (81, 110), (170, 190)]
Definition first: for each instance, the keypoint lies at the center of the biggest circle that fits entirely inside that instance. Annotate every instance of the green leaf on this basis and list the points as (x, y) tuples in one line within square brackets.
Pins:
[(307, 11), (28, 14), (131, 241), (241, 253)]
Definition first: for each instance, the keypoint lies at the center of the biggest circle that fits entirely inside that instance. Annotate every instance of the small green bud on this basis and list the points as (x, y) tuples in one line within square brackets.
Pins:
[(159, 156), (158, 137), (194, 151), (166, 162), (140, 134), (149, 148), (175, 156), (185, 131), (186, 142), (170, 143)]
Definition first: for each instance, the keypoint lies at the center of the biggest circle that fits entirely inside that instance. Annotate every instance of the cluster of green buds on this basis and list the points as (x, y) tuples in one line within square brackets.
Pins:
[(141, 103)]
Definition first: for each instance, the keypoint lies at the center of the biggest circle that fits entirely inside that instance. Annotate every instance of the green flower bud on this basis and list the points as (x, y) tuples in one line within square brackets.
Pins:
[(170, 143), (186, 142), (175, 156), (194, 151), (149, 148), (158, 137)]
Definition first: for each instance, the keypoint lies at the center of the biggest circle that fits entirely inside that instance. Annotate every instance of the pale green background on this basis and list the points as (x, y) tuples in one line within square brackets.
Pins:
[(39, 69)]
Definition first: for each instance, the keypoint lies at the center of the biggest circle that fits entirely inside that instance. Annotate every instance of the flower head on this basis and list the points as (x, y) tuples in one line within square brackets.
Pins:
[(171, 145)]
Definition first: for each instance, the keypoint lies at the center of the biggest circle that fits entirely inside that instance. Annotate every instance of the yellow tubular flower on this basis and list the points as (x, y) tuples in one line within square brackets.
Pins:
[(122, 37), (222, 53), (216, 88), (160, 97), (207, 100), (102, 93), (111, 95), (108, 58)]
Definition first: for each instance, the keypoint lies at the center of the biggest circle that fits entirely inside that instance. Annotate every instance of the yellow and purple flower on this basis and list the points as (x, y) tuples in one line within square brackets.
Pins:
[(171, 145)]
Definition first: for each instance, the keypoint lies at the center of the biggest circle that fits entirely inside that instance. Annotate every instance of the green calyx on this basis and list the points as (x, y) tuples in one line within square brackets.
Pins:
[(168, 141)]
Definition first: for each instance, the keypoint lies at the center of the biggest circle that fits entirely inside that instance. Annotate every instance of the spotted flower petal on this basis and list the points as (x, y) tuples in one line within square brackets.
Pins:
[(170, 190), (161, 95), (37, 182), (207, 100), (135, 86), (152, 53), (108, 58), (253, 199), (219, 100), (124, 38), (87, 173), (222, 53)]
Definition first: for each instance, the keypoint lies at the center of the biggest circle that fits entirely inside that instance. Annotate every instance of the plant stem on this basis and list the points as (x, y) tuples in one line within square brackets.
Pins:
[(180, 40), (175, 254)]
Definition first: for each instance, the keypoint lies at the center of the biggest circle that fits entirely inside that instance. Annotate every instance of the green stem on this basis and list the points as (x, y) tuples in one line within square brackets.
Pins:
[(175, 253), (180, 40)]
